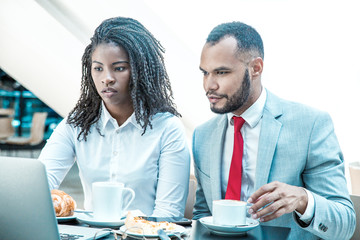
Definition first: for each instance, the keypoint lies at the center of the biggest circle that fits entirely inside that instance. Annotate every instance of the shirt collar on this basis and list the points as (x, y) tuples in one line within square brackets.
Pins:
[(106, 118), (253, 114)]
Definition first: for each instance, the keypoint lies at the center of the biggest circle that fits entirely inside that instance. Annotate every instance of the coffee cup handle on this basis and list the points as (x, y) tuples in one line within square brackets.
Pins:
[(131, 199)]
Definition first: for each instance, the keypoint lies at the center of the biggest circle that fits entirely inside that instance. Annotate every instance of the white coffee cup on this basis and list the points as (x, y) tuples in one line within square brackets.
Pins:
[(229, 212), (107, 200)]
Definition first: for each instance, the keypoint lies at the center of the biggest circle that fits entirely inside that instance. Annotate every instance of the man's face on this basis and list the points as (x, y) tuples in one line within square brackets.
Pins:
[(226, 77)]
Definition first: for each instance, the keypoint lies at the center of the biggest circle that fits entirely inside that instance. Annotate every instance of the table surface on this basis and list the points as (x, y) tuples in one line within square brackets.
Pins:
[(200, 232)]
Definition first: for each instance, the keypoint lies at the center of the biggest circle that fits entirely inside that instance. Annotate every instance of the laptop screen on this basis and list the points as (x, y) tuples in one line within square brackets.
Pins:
[(25, 202), (26, 209)]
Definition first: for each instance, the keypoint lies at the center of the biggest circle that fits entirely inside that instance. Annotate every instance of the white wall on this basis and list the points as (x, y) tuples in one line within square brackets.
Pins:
[(311, 50), (40, 53)]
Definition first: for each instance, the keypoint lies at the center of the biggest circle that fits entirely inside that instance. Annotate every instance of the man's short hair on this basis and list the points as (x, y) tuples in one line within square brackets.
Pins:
[(248, 39)]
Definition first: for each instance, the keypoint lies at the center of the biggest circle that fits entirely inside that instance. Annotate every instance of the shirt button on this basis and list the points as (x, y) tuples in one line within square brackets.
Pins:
[(118, 131), (115, 153)]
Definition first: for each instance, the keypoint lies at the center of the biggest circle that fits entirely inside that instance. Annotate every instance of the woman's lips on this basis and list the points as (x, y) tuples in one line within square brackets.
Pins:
[(108, 92)]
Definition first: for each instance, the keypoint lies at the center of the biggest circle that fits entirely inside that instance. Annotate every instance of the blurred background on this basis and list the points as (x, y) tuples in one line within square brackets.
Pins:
[(311, 54)]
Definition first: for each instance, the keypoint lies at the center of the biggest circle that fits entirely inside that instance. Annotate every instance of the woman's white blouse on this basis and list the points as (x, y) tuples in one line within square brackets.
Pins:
[(155, 165)]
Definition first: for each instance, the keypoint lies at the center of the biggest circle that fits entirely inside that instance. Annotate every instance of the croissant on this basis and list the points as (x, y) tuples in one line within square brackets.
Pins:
[(64, 204)]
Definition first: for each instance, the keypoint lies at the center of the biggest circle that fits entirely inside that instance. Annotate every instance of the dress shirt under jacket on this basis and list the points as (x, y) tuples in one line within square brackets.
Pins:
[(251, 132)]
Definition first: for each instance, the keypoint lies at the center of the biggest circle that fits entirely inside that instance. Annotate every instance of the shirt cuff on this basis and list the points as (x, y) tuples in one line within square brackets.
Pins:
[(310, 209)]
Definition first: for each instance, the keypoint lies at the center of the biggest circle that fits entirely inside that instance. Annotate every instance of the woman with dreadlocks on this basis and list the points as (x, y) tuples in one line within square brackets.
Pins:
[(125, 126)]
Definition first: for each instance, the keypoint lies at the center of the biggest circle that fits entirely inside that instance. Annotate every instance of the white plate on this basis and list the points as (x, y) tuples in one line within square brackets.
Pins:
[(178, 229), (89, 220), (66, 219), (226, 230)]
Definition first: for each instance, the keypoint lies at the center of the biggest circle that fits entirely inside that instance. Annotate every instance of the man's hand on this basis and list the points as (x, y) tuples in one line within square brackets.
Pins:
[(276, 199)]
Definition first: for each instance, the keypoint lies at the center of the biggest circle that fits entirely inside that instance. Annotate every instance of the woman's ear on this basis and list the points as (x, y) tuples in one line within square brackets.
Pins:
[(256, 67)]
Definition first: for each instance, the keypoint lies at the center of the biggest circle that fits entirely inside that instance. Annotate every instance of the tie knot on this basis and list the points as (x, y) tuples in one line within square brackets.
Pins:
[(238, 122)]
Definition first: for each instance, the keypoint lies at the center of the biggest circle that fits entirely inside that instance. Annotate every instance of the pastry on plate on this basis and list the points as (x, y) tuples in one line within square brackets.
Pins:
[(141, 226), (64, 204)]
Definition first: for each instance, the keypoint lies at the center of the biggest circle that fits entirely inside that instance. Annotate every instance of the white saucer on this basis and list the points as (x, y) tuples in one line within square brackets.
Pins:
[(89, 220), (66, 219), (225, 230)]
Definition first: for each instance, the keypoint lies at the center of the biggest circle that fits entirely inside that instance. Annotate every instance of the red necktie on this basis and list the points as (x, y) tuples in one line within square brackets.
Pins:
[(233, 190)]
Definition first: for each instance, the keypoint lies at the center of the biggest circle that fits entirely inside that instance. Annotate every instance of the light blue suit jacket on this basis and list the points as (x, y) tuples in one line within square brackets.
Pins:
[(297, 146)]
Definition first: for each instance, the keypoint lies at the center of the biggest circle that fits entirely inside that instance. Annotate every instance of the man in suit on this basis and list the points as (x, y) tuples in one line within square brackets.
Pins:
[(292, 167)]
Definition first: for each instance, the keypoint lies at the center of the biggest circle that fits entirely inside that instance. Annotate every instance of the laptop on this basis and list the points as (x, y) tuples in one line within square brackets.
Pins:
[(26, 209)]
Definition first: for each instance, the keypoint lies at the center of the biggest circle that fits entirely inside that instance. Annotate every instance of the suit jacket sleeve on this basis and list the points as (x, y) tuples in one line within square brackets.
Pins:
[(334, 216), (201, 208)]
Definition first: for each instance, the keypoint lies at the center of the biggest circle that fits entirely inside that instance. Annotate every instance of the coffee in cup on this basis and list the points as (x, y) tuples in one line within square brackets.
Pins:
[(108, 202), (229, 212)]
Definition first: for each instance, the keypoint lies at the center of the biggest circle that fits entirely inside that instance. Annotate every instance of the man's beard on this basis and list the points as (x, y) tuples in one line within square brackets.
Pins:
[(237, 100)]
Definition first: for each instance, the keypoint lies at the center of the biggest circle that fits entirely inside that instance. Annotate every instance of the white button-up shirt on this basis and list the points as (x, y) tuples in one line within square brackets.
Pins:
[(250, 132), (155, 165)]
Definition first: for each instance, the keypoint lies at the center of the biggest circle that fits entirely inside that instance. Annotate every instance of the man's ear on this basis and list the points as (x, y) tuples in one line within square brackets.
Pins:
[(256, 67)]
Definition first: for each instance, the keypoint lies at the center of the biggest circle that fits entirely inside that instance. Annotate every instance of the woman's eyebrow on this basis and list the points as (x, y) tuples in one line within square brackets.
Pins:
[(120, 62)]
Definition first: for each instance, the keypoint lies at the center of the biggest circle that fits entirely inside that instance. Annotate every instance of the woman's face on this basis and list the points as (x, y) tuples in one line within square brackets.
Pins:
[(110, 70)]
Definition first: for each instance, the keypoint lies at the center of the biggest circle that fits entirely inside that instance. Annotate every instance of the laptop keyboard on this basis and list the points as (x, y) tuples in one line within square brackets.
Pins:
[(66, 236), (68, 232)]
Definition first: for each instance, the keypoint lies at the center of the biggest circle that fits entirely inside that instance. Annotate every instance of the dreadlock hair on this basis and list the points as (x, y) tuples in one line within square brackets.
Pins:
[(248, 39), (149, 85)]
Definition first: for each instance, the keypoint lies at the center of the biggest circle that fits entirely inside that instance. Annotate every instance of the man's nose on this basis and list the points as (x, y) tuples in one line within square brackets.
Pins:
[(210, 83)]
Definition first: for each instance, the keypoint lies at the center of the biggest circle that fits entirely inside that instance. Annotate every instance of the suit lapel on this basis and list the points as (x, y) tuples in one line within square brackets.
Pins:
[(216, 155), (268, 139)]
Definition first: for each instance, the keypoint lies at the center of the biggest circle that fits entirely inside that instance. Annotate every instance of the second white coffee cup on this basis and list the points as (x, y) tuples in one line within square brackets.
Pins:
[(229, 212), (108, 202)]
